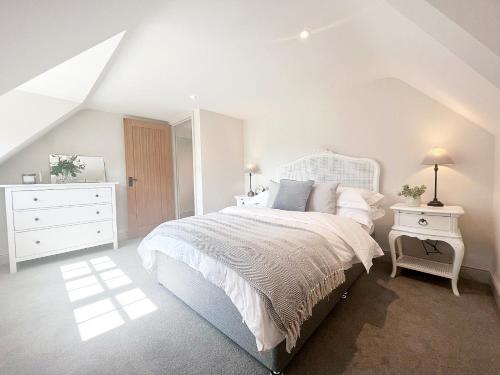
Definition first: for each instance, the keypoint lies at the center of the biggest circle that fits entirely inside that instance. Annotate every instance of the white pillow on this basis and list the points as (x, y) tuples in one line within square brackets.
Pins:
[(377, 212), (357, 198), (361, 216)]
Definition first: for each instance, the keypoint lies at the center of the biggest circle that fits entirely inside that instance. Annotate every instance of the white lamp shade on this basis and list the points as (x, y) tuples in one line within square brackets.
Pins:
[(251, 168), (437, 156)]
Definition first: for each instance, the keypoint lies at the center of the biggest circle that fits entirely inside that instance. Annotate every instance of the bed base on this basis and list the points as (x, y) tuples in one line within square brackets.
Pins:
[(214, 306)]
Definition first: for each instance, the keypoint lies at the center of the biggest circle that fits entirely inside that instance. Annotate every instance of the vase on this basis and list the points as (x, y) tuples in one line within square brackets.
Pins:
[(413, 202)]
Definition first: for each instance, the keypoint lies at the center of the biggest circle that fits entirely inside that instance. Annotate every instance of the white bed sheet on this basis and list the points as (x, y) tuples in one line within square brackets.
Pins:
[(350, 240)]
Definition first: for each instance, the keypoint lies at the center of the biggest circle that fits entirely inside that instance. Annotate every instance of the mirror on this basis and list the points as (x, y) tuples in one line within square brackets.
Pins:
[(76, 168)]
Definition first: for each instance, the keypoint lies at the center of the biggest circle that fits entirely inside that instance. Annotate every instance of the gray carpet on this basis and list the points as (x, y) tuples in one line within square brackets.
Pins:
[(409, 325)]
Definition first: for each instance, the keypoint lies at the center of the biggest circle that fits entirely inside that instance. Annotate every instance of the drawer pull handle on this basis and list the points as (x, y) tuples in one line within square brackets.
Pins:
[(98, 232), (97, 212), (36, 219), (423, 222), (37, 242), (35, 199)]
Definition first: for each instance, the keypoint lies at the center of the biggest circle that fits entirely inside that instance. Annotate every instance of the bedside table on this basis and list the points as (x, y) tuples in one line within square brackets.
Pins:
[(246, 201), (427, 223)]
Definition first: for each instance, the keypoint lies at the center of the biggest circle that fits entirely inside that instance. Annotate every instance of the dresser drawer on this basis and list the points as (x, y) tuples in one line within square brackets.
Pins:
[(42, 241), (425, 221), (47, 217), (59, 197)]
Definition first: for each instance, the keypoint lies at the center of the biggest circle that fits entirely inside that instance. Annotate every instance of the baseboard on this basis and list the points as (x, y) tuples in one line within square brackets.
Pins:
[(495, 288)]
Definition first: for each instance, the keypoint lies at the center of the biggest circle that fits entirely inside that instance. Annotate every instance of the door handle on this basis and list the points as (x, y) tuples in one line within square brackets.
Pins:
[(131, 181)]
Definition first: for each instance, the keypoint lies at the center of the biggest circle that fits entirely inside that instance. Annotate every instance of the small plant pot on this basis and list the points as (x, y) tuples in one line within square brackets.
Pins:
[(413, 202)]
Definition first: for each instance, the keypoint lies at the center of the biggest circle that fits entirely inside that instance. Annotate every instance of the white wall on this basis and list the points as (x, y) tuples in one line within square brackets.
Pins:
[(219, 143), (395, 124), (88, 132)]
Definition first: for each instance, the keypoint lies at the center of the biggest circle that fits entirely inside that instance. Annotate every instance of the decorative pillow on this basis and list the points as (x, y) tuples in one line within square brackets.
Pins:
[(357, 198), (323, 198), (273, 191), (293, 195)]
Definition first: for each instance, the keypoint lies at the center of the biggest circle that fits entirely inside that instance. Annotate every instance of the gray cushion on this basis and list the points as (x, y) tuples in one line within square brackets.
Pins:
[(323, 198), (293, 195)]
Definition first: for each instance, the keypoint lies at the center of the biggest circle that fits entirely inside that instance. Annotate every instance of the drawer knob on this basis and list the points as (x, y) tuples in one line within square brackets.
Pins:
[(98, 232), (35, 199), (36, 219), (97, 212), (97, 195), (37, 242), (423, 222)]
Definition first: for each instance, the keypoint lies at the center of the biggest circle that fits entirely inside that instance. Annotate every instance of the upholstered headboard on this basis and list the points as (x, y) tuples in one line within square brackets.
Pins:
[(328, 166)]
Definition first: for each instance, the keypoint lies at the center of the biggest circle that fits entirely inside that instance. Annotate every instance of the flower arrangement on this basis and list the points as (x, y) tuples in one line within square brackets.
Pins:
[(412, 194), (66, 167)]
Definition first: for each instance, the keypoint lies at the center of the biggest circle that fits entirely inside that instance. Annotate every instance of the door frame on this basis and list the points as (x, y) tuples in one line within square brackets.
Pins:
[(196, 182)]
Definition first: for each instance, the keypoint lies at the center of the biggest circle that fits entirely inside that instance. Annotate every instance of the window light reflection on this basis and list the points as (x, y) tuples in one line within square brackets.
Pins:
[(100, 276)]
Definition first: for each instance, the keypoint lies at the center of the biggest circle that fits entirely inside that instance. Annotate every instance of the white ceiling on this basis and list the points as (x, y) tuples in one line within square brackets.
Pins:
[(37, 35), (244, 58), (241, 57)]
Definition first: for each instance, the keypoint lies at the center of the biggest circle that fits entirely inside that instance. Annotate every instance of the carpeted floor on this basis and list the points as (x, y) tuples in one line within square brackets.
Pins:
[(130, 325)]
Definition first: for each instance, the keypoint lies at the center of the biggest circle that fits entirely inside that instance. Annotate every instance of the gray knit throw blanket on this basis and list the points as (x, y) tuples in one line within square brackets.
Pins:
[(291, 268)]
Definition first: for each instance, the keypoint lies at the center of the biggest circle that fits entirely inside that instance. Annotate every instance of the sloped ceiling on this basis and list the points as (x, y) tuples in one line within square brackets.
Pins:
[(239, 56), (242, 57), (37, 35), (41, 103)]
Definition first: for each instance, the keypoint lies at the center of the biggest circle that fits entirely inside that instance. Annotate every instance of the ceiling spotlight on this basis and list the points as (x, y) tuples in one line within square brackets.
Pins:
[(304, 34)]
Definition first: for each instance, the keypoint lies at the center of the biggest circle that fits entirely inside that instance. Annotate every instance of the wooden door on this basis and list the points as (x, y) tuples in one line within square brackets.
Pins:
[(150, 183)]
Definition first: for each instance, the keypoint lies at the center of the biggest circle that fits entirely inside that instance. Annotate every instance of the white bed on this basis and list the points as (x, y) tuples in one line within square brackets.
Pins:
[(351, 241)]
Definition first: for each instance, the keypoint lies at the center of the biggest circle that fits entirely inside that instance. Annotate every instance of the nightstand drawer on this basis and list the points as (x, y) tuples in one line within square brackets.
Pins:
[(246, 201), (425, 221)]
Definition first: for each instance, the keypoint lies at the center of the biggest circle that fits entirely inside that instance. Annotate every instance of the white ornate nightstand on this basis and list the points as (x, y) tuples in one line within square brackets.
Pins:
[(246, 201), (427, 223)]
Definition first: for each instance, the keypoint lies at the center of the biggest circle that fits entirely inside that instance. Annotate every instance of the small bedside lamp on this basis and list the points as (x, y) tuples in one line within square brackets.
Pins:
[(437, 156), (251, 168)]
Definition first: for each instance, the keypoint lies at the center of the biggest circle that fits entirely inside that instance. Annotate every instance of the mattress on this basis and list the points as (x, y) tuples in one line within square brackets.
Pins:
[(211, 303)]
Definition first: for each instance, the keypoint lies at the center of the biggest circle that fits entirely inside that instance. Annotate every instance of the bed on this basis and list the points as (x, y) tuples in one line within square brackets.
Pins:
[(239, 307)]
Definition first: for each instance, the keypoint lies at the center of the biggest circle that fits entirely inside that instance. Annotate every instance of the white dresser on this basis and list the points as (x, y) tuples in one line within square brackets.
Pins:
[(44, 220)]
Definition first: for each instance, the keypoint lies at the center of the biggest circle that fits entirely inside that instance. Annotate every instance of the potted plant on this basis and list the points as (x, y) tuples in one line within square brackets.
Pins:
[(67, 167), (413, 195)]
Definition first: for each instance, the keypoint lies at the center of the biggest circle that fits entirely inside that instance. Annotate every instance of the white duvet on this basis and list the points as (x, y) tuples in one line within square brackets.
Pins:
[(350, 240)]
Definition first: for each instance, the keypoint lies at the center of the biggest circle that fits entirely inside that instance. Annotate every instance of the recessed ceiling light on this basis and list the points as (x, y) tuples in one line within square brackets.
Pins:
[(304, 34)]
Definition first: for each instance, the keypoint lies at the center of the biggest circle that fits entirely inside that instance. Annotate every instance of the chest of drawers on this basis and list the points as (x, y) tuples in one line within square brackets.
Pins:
[(44, 220)]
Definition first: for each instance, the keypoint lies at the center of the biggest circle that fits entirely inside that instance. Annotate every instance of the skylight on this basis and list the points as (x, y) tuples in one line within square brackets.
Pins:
[(73, 79)]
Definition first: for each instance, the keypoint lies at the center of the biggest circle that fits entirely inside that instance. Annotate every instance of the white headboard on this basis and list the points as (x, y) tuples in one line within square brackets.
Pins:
[(328, 166)]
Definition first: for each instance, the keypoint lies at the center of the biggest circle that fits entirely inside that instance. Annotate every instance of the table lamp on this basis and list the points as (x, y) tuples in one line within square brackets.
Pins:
[(251, 168), (437, 156)]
